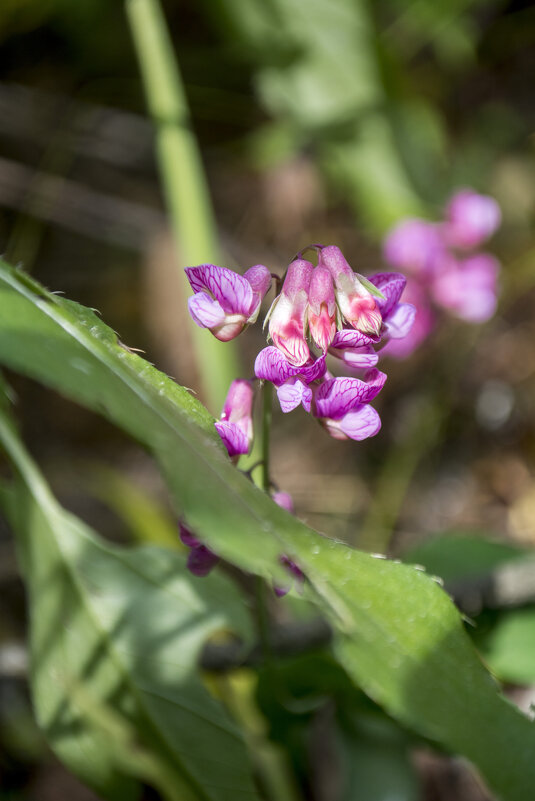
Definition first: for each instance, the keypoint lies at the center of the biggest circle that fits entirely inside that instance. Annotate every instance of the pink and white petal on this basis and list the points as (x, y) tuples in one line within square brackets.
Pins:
[(207, 313), (234, 438), (232, 290), (293, 394), (391, 285), (361, 423), (401, 321)]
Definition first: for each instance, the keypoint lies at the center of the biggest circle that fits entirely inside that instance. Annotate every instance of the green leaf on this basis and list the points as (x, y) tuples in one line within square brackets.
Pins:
[(397, 633), (509, 646), (122, 628)]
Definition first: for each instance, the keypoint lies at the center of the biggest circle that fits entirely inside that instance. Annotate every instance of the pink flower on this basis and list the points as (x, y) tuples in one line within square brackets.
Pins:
[(288, 314), (236, 424), (414, 245), (321, 308), (470, 219), (284, 500), (354, 294), (224, 301), (468, 288), (341, 404)]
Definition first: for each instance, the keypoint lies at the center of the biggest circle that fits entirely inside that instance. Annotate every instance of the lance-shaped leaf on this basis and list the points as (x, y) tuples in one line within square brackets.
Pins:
[(120, 629), (397, 633)]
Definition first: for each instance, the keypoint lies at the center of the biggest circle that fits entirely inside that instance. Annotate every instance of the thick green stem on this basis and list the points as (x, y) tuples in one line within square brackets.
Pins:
[(187, 194)]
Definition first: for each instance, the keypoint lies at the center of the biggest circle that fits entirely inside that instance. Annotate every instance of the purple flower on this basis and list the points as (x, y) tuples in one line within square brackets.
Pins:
[(201, 559), (414, 245), (468, 288), (284, 500), (236, 424), (224, 301), (291, 381), (471, 219), (288, 314), (353, 294), (398, 318), (341, 404)]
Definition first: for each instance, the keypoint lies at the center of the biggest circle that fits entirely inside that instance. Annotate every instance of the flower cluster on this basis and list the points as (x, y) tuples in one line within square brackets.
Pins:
[(320, 311), (445, 270)]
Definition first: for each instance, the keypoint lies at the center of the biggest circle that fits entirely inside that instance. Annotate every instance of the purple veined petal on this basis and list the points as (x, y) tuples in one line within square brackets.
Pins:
[(187, 537), (401, 320), (260, 279), (338, 396), (361, 423), (270, 365), (391, 285), (201, 560), (294, 393), (234, 438), (207, 313), (351, 338), (313, 371), (233, 291), (284, 500)]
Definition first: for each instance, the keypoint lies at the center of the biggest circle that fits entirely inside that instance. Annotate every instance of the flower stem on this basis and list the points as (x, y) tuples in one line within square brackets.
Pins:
[(267, 402), (181, 169)]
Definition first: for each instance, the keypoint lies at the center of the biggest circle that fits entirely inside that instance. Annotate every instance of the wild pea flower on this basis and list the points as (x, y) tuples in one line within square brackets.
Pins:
[(288, 314), (291, 382), (342, 405), (354, 294), (201, 560), (235, 426), (443, 274), (224, 301)]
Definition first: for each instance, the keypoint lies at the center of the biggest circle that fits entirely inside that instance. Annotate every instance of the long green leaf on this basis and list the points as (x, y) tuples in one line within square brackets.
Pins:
[(397, 633), (122, 628)]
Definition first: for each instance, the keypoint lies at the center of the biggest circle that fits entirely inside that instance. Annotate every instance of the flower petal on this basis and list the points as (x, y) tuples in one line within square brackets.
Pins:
[(338, 396), (391, 285), (361, 423), (201, 560), (232, 290), (207, 313), (270, 365), (234, 438), (293, 393), (351, 338), (401, 320)]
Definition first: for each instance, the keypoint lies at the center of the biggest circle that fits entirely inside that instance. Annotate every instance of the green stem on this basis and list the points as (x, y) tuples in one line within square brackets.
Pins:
[(267, 403), (181, 169)]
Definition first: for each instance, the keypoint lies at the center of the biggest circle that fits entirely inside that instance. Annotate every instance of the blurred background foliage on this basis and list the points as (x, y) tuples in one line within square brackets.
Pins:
[(321, 121)]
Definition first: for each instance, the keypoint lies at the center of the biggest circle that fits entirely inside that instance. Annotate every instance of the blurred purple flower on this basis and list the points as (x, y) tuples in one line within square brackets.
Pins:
[(201, 559), (414, 245), (467, 287), (423, 323), (296, 573), (470, 219), (284, 500), (224, 301)]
